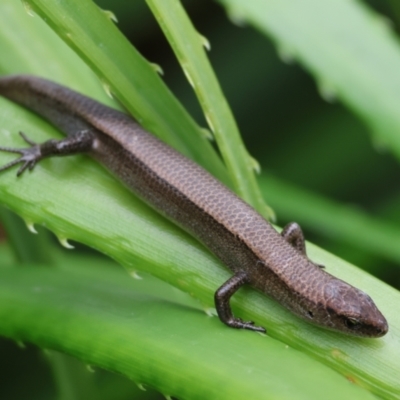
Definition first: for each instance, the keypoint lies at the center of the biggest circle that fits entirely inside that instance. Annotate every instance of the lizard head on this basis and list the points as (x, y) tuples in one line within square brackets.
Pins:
[(352, 311)]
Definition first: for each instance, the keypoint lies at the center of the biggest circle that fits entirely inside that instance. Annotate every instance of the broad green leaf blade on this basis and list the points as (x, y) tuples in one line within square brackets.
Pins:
[(132, 79), (188, 46), (350, 50), (120, 325), (94, 209), (18, 29)]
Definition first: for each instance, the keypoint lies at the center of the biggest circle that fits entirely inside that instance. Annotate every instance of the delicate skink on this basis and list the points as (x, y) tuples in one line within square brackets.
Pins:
[(276, 264)]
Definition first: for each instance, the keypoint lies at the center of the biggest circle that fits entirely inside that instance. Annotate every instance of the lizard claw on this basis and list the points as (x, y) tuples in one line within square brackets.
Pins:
[(239, 323), (29, 156), (27, 140)]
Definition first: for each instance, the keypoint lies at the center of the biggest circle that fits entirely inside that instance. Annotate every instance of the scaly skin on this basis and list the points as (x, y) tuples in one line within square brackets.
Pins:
[(188, 195)]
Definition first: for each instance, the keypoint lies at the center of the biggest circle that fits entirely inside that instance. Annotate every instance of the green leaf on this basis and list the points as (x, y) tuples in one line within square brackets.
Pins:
[(94, 209), (351, 51), (145, 331), (189, 47)]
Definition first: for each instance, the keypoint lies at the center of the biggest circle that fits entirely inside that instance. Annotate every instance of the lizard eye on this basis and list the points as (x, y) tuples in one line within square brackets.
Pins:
[(351, 323)]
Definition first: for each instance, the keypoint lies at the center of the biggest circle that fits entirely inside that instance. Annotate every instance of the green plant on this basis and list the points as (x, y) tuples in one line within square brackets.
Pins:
[(146, 330)]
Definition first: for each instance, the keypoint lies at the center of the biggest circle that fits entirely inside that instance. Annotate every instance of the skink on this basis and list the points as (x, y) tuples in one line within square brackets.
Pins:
[(276, 264)]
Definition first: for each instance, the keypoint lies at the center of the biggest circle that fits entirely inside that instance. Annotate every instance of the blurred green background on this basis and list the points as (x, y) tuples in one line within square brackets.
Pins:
[(298, 138)]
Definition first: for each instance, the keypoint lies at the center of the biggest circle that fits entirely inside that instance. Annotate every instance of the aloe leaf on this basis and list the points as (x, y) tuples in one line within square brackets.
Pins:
[(137, 328), (189, 47), (350, 50)]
